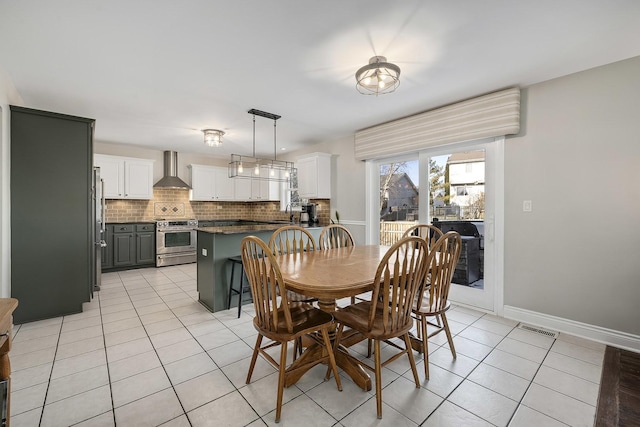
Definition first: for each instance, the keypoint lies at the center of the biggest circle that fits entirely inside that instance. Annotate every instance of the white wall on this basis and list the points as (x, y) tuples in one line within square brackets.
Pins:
[(8, 96), (576, 255)]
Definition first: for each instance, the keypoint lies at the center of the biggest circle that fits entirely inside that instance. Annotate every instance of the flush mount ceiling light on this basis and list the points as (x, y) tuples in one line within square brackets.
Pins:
[(261, 169), (213, 137), (378, 77)]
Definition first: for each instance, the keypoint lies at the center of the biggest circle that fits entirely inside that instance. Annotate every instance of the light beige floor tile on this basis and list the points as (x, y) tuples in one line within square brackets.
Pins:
[(585, 354), (494, 327), (152, 410), (568, 384), (582, 342), (79, 347), (522, 349), (217, 339), (500, 381), (481, 336), (133, 365), (73, 325), (440, 382), (28, 346), (450, 415), (120, 315), (80, 334), (570, 365), (513, 364), (124, 336), (527, 417), (189, 368), (26, 419), (166, 338), (484, 403), (28, 398), (77, 408), (71, 385), (128, 349), (174, 352), (367, 415), (31, 376), (154, 300), (559, 406), (195, 318), (337, 403), (230, 410), (34, 358), (210, 325), (230, 353), (470, 348), (203, 389), (102, 420), (135, 387), (158, 316), (414, 403), (74, 364), (461, 365), (532, 338), (30, 333), (163, 326), (181, 421), (117, 307), (120, 325)]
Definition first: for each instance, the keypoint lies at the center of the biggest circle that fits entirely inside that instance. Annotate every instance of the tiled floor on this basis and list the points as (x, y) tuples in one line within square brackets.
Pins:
[(144, 352)]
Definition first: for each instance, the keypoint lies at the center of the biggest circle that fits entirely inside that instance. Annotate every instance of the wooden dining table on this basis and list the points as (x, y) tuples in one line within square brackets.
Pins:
[(329, 275)]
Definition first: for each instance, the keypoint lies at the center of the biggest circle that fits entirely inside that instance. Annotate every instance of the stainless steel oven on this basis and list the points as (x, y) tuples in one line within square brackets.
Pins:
[(176, 242)]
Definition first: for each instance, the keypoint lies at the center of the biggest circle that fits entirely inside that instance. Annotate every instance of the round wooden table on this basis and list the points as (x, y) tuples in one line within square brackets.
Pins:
[(328, 275)]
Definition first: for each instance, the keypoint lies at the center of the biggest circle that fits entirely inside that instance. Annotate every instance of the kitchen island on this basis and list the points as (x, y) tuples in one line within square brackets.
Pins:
[(216, 245)]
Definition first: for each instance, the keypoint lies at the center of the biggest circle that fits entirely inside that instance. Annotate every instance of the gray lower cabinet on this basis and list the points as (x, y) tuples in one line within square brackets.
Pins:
[(130, 246), (107, 252)]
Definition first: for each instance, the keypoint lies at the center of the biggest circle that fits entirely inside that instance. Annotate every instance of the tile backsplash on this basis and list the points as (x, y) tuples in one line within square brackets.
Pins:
[(171, 203)]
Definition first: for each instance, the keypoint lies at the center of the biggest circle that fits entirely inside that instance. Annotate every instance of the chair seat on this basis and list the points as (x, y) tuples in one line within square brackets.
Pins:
[(304, 318), (356, 316), (425, 307)]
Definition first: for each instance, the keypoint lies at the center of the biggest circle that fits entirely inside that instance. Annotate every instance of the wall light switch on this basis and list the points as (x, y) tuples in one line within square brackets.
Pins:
[(526, 206), (204, 252)]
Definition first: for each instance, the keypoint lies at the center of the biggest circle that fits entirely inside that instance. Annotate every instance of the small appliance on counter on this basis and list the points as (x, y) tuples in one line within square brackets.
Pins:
[(309, 213)]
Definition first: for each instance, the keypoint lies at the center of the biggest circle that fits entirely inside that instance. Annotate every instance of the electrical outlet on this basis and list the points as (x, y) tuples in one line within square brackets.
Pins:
[(219, 207), (526, 206), (204, 252)]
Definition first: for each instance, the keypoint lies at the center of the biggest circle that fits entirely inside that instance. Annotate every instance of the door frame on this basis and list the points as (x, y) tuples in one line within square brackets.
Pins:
[(494, 226)]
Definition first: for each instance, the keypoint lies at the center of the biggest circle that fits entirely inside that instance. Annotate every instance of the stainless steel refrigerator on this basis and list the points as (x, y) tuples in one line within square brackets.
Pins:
[(98, 211)]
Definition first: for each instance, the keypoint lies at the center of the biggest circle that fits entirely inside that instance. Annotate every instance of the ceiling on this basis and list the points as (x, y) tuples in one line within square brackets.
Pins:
[(154, 73)]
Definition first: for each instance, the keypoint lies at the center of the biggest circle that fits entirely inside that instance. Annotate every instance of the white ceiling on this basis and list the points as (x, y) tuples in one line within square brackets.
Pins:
[(154, 73)]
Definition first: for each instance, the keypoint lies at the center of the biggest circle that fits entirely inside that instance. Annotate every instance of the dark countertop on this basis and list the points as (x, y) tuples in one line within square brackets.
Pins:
[(250, 228)]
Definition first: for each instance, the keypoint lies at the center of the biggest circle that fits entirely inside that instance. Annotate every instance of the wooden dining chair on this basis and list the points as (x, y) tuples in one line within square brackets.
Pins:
[(291, 239), (398, 278), (429, 232), (433, 298), (335, 236), (279, 321)]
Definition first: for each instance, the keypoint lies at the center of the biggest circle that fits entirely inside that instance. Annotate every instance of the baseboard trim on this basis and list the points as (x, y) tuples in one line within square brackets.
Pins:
[(596, 333)]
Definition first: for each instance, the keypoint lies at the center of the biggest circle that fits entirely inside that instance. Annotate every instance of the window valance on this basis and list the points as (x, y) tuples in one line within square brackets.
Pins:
[(486, 116)]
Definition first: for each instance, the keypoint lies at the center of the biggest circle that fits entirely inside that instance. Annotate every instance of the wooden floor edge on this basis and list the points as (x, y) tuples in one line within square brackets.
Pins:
[(608, 397)]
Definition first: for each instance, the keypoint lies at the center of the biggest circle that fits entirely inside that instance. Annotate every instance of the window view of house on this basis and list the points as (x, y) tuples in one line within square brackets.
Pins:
[(456, 188)]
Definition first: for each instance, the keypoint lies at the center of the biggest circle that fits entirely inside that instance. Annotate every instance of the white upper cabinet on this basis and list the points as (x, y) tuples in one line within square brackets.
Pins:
[(314, 176), (211, 183), (257, 190), (125, 177)]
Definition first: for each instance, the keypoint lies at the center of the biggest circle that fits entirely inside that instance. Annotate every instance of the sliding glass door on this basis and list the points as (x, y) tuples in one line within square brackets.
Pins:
[(456, 188)]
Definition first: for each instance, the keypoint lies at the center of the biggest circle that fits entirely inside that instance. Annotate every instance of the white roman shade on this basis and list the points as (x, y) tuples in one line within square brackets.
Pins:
[(486, 116)]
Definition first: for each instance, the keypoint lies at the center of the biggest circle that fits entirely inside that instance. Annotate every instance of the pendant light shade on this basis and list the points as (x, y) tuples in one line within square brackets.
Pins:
[(378, 77), (213, 137)]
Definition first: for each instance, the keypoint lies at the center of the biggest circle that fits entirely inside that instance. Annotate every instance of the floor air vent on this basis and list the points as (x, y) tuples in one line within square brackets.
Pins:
[(537, 330)]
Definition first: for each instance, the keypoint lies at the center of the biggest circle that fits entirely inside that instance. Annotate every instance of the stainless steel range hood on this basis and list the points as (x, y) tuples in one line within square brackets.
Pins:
[(170, 178)]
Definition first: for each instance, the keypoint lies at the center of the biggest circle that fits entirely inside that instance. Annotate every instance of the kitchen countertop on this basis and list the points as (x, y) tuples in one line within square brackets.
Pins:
[(249, 228)]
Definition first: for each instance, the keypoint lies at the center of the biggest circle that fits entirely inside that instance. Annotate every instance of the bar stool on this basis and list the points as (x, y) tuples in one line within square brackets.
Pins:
[(237, 260)]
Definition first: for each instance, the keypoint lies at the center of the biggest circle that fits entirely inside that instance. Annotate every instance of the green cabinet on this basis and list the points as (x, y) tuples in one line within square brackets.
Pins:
[(129, 246), (107, 252), (145, 244), (50, 176)]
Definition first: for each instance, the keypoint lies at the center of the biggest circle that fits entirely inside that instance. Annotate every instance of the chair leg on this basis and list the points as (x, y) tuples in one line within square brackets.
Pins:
[(425, 346), (378, 371), (369, 347), (241, 290), (254, 357), (407, 343), (282, 368), (332, 357), (336, 343), (448, 332), (233, 269)]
